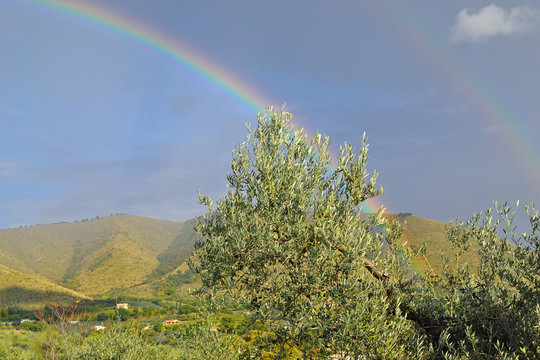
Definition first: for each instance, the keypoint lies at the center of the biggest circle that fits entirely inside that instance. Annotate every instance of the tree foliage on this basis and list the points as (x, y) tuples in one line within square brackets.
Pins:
[(290, 242), (495, 312)]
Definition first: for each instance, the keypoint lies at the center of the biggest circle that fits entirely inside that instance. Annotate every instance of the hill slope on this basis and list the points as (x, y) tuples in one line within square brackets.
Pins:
[(25, 291), (419, 230), (98, 255)]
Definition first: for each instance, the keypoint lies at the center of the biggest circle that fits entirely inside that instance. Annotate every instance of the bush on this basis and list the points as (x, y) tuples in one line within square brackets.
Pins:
[(102, 317), (112, 344), (32, 326), (22, 345), (201, 344), (494, 313)]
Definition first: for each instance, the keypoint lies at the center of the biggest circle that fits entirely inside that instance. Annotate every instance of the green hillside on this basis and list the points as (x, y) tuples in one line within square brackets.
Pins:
[(432, 233), (14, 263), (26, 292), (98, 255)]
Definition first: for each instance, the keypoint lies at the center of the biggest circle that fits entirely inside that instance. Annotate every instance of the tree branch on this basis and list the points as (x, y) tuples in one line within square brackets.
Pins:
[(372, 268), (432, 326), (368, 264)]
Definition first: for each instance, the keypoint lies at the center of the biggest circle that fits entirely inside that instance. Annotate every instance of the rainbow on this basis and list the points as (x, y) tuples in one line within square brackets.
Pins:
[(174, 50), (487, 107), (165, 46)]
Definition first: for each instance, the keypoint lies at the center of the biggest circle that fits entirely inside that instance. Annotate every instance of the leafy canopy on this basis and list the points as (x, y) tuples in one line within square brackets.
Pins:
[(289, 240)]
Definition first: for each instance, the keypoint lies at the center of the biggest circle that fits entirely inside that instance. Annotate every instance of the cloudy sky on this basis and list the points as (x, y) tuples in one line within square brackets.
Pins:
[(94, 122)]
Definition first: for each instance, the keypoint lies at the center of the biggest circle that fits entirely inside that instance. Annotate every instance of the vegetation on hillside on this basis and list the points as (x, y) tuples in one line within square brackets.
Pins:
[(69, 332), (102, 256), (98, 270), (23, 291)]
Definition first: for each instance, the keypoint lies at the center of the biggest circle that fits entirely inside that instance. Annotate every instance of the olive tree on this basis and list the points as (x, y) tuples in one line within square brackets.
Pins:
[(290, 241), (492, 312)]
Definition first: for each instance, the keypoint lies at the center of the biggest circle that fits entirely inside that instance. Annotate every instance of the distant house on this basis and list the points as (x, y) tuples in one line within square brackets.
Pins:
[(171, 322), (122, 306)]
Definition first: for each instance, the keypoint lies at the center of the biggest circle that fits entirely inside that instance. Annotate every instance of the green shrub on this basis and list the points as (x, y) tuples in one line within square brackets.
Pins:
[(32, 326), (495, 312), (200, 343), (23, 345), (111, 344)]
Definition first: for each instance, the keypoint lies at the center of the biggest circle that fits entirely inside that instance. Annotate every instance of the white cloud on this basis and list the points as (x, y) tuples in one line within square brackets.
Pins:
[(494, 21)]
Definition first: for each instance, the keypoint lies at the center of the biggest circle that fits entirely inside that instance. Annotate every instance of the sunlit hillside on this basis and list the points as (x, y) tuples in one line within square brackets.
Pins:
[(418, 231), (98, 255), (25, 291)]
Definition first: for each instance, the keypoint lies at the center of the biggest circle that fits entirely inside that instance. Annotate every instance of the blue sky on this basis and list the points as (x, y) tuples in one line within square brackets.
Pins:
[(93, 123)]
